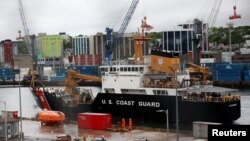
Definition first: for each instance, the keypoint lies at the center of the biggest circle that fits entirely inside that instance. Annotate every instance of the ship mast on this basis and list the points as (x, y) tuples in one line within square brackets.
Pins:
[(139, 40)]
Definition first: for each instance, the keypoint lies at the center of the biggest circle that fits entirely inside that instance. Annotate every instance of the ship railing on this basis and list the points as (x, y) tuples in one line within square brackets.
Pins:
[(200, 98), (119, 62), (160, 84)]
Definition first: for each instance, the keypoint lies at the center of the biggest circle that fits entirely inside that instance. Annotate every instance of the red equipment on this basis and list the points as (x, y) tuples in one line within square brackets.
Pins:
[(130, 124), (51, 117), (97, 121), (235, 15), (123, 124)]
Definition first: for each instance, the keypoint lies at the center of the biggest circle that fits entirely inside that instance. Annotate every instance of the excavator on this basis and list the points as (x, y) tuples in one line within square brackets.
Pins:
[(72, 80)]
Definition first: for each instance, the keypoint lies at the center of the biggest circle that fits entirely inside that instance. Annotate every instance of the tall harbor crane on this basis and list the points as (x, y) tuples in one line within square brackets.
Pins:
[(25, 27), (110, 45), (27, 40)]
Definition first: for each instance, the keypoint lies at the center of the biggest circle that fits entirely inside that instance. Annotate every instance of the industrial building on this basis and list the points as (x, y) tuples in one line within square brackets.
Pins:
[(12, 124)]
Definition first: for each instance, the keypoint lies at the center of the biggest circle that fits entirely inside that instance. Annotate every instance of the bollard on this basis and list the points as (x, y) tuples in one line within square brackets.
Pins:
[(84, 138)]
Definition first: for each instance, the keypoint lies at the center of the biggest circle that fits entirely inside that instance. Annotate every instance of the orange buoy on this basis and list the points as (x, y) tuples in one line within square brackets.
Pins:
[(51, 117)]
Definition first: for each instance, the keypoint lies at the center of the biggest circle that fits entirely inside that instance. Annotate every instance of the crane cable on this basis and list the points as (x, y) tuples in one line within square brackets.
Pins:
[(209, 11), (216, 13), (203, 11)]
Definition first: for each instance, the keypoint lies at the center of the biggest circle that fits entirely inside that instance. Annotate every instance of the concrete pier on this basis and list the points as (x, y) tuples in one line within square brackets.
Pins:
[(33, 131)]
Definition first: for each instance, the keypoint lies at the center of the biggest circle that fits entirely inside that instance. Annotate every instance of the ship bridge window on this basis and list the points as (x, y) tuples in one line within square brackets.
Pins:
[(160, 92), (112, 69), (207, 56), (104, 69), (129, 68), (133, 68), (133, 91), (136, 69), (121, 68), (141, 69), (125, 69), (109, 90)]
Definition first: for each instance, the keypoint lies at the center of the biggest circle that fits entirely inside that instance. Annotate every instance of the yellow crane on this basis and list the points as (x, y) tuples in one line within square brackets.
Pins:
[(193, 68), (72, 80)]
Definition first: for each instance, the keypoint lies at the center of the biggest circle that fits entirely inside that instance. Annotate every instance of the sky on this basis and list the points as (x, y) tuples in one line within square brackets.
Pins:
[(87, 17)]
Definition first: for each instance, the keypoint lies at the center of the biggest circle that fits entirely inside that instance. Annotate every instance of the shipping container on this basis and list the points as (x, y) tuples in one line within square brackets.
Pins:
[(70, 58), (227, 78), (98, 121), (90, 59), (97, 60), (82, 59), (77, 60), (57, 78), (8, 51), (7, 74), (247, 66), (224, 72), (88, 70), (247, 76), (234, 66), (229, 72)]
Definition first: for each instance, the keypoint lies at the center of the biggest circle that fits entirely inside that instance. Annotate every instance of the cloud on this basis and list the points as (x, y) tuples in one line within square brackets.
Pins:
[(91, 16)]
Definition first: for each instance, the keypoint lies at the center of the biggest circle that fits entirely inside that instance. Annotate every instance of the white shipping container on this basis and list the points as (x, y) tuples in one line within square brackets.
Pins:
[(200, 129), (227, 56), (245, 50), (1, 54)]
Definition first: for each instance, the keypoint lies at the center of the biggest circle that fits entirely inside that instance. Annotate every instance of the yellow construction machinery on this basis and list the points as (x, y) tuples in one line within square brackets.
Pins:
[(72, 80), (196, 69)]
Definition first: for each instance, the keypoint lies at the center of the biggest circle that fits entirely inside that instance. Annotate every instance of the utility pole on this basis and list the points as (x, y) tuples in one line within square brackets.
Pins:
[(230, 25), (5, 120), (177, 107)]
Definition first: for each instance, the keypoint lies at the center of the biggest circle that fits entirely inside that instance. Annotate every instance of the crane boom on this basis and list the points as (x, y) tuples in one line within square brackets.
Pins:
[(214, 12), (25, 27), (127, 18), (112, 45), (73, 77)]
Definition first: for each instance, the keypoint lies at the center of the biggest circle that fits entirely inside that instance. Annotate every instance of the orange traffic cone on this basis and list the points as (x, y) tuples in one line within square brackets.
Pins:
[(130, 124), (123, 124)]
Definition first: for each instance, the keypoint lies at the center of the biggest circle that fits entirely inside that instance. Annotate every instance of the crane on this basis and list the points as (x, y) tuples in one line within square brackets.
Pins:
[(214, 12), (196, 69), (112, 45), (210, 11), (27, 40), (25, 27), (72, 80)]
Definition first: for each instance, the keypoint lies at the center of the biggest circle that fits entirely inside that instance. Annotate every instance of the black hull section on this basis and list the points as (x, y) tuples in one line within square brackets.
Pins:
[(142, 108)]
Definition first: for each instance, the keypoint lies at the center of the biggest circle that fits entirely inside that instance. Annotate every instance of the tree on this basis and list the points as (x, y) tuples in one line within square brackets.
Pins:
[(22, 48), (156, 36), (67, 43)]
